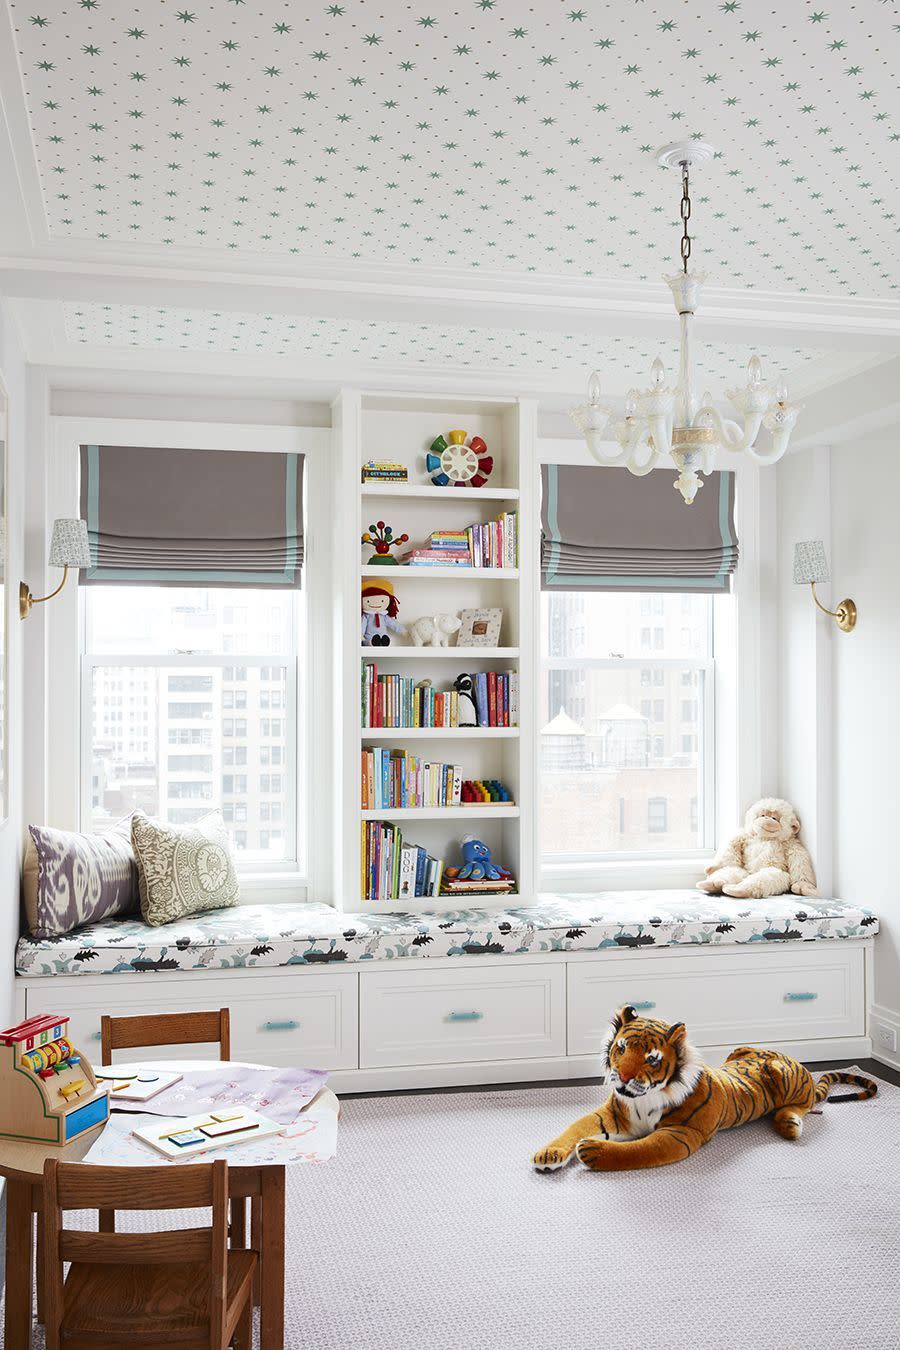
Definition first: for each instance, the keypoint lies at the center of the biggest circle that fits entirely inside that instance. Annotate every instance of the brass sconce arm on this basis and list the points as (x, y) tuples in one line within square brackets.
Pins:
[(845, 614), (27, 600)]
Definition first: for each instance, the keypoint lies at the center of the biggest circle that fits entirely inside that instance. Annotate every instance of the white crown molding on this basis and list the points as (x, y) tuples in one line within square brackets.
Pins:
[(403, 295)]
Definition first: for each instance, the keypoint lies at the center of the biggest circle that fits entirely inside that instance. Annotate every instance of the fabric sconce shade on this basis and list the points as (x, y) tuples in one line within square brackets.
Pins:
[(69, 545), (810, 563), (606, 530), (172, 517), (811, 567)]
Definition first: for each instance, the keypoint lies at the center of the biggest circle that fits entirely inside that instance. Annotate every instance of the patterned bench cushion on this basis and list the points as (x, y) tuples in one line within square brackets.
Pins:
[(303, 935)]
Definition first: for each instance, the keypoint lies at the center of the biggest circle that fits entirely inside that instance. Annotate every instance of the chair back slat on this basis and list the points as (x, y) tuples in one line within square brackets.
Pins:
[(82, 1186), (171, 1247), (181, 1028)]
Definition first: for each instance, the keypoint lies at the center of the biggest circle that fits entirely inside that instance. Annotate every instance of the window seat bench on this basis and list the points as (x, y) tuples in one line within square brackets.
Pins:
[(314, 934), (515, 994)]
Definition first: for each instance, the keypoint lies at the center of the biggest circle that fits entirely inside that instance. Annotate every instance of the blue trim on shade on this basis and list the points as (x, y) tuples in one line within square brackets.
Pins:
[(289, 575), (93, 502), (718, 581)]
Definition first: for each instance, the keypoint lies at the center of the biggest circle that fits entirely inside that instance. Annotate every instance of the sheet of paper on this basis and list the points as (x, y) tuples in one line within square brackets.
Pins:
[(310, 1138), (279, 1094)]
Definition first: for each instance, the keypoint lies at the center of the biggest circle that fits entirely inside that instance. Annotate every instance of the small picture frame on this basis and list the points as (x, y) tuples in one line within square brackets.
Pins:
[(480, 628)]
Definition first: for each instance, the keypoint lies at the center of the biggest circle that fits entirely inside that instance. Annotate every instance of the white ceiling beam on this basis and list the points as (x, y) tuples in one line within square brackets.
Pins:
[(404, 295)]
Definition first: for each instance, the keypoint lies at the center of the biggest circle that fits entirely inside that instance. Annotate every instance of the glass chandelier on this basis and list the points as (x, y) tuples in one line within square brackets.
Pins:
[(661, 421)]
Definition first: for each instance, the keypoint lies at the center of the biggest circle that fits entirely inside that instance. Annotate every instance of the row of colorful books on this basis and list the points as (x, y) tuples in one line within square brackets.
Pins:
[(395, 778), (492, 544), (398, 701), (394, 870)]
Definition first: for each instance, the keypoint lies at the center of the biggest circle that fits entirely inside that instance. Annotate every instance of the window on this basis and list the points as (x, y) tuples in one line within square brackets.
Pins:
[(160, 653), (619, 771), (657, 815)]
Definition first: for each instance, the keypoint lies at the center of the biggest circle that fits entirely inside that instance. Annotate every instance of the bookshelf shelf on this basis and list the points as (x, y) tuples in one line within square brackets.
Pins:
[(448, 733), (443, 813), (403, 427), (435, 494), (442, 573), (461, 654)]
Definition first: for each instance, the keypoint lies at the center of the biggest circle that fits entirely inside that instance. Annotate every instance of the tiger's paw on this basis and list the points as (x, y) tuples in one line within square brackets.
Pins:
[(549, 1159), (590, 1152)]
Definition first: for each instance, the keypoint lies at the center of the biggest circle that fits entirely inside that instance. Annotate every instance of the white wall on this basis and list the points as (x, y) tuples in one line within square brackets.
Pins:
[(840, 736), (12, 365), (865, 497), (804, 644)]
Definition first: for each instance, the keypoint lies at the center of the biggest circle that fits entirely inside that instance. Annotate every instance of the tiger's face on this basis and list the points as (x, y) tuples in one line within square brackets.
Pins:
[(643, 1055)]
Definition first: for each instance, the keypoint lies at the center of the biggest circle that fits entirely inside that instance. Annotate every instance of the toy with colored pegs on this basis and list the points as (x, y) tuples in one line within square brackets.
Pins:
[(48, 1090), (485, 792), (456, 461), (381, 537)]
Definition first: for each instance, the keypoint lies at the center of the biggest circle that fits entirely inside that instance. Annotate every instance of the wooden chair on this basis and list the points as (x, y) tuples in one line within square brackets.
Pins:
[(181, 1287), (183, 1028)]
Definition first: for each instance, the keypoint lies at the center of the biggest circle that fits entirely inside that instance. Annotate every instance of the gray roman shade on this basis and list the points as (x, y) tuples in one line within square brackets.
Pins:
[(603, 529), (192, 517)]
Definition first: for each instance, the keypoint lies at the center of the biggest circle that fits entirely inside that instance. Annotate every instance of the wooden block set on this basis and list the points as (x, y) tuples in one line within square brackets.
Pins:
[(48, 1090)]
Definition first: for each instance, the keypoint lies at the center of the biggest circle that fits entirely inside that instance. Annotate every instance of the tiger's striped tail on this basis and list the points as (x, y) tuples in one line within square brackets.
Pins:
[(830, 1080)]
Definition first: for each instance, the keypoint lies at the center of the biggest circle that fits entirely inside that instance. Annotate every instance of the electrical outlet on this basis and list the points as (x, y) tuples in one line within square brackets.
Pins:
[(885, 1037)]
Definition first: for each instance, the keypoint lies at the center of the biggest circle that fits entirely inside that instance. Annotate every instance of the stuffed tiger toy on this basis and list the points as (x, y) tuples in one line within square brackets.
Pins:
[(665, 1103)]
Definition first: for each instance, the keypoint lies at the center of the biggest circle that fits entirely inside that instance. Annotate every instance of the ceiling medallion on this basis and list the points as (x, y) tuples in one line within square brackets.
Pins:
[(661, 421)]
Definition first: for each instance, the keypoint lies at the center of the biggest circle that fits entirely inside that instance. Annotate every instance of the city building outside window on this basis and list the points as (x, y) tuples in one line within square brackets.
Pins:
[(621, 776), (161, 653)]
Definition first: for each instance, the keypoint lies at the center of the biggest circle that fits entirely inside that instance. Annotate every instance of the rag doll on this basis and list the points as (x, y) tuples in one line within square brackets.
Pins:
[(665, 1103), (379, 613), (764, 858)]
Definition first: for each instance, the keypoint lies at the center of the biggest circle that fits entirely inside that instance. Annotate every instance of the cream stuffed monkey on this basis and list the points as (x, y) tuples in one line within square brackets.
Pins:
[(764, 858)]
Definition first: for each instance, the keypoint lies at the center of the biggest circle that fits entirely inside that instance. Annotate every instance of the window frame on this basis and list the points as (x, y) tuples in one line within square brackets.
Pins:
[(747, 672), (309, 877)]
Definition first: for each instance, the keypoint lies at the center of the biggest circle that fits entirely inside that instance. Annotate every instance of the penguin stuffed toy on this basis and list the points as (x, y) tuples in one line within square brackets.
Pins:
[(468, 709)]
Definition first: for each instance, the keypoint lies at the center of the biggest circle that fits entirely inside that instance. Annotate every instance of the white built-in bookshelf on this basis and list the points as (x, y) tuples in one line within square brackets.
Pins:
[(401, 428)]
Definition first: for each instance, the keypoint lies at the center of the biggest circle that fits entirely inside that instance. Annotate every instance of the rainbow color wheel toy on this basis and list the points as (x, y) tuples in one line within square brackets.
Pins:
[(455, 460)]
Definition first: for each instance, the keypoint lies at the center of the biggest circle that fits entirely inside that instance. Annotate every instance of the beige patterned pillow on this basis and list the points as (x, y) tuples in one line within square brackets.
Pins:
[(182, 869)]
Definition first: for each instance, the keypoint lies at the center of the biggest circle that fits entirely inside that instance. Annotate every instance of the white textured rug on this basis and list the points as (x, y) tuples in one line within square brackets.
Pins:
[(431, 1232)]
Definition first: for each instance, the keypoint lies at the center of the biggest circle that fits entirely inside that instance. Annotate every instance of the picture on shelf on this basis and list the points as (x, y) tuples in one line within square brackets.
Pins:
[(480, 628)]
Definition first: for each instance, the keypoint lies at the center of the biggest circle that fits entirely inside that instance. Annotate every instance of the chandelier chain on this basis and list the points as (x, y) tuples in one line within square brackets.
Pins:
[(685, 217)]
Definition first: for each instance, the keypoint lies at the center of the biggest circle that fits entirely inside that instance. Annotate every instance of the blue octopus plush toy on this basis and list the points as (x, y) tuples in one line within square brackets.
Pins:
[(477, 865)]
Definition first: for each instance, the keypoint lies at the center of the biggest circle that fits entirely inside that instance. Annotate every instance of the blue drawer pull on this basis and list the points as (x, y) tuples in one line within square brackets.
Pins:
[(799, 998), (647, 1003), (96, 1036), (280, 1026), (464, 1016)]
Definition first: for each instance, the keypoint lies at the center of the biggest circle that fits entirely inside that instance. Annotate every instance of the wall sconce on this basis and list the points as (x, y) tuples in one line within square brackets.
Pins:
[(810, 566), (69, 547)]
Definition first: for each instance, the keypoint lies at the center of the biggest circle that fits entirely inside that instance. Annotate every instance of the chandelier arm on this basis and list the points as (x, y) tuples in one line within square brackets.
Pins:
[(641, 467), (774, 453), (595, 440), (731, 435)]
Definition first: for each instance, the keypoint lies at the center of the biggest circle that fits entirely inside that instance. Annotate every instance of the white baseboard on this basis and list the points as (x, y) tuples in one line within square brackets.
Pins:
[(880, 1015), (560, 1069)]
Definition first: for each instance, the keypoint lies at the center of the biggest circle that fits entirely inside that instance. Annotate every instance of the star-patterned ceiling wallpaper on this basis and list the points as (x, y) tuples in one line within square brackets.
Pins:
[(476, 134), (623, 361)]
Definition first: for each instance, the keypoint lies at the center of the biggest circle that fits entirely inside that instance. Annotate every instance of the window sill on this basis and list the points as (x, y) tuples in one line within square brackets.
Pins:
[(654, 874), (273, 888)]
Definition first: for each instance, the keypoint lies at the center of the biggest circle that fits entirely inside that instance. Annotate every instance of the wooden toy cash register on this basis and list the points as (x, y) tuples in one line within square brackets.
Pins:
[(48, 1091)]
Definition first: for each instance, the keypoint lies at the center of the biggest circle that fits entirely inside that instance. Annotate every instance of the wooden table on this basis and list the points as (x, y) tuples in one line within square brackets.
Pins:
[(22, 1164)]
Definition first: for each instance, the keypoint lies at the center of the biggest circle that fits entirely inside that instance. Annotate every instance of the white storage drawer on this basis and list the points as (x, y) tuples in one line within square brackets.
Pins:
[(308, 1019), (725, 998), (453, 1016)]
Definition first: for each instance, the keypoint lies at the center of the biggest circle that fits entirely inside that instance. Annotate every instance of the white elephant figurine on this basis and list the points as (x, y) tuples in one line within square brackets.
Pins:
[(434, 630)]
